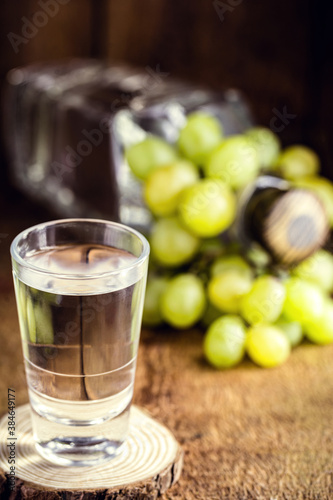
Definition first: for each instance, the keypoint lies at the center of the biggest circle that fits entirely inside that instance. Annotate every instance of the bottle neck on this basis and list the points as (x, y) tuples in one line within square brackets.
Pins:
[(290, 224)]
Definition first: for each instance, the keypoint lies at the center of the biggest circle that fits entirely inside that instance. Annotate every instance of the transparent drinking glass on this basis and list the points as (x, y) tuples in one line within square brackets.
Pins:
[(80, 286)]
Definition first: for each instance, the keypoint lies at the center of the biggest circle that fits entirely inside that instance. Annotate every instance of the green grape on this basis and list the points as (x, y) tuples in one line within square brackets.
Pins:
[(258, 256), (264, 302), (50, 298), (292, 329), (149, 154), (44, 326), (235, 161), (321, 331), (201, 134), (318, 269), (267, 144), (151, 309), (323, 188), (224, 342), (227, 262), (20, 291), (207, 208), (267, 345), (21, 299), (212, 247), (225, 290), (31, 321), (304, 301), (183, 302), (171, 244), (137, 303), (297, 161), (164, 186), (211, 314)]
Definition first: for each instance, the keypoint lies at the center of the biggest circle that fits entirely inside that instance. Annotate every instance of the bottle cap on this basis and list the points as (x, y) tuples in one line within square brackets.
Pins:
[(295, 226), (290, 223)]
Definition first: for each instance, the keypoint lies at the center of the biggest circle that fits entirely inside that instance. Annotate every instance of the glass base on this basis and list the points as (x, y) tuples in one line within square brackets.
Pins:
[(149, 449), (80, 432), (79, 451)]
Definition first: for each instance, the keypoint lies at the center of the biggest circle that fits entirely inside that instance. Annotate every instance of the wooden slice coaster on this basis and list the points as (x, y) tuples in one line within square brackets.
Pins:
[(150, 462)]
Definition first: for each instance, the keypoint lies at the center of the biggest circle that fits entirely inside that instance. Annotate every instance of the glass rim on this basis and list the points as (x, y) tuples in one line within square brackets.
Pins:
[(117, 225)]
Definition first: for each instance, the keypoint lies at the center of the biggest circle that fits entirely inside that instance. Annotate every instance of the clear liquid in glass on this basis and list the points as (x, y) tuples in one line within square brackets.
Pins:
[(80, 347)]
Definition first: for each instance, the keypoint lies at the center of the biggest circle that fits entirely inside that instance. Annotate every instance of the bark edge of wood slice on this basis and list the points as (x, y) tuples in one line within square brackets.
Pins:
[(139, 472)]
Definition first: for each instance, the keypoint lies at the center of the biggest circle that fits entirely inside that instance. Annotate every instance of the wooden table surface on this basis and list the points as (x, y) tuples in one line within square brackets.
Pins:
[(247, 433)]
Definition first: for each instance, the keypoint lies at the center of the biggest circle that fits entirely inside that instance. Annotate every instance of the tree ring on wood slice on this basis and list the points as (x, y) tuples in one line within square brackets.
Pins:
[(150, 462)]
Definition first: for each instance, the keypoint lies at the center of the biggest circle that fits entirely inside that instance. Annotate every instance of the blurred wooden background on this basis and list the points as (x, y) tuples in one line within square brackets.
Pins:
[(278, 52)]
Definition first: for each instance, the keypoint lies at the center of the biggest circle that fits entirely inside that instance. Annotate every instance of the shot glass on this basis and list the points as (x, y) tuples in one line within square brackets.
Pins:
[(80, 286)]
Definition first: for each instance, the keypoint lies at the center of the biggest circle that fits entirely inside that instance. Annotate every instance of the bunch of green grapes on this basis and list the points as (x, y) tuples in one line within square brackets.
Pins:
[(199, 273)]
